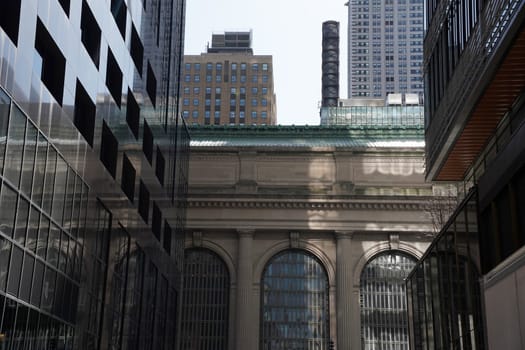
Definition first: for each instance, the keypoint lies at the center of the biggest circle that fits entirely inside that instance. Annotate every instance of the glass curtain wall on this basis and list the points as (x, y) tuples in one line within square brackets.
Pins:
[(205, 301), (384, 324), (444, 292), (294, 301)]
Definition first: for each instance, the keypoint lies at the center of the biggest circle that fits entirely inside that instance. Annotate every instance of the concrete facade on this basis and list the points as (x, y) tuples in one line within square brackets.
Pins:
[(254, 193)]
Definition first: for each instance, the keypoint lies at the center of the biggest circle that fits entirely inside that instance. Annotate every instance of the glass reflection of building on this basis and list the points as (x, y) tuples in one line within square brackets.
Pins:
[(91, 200), (464, 289), (383, 301), (294, 303)]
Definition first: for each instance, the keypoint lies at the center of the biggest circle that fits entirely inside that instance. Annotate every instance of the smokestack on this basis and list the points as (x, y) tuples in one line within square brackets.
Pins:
[(330, 65)]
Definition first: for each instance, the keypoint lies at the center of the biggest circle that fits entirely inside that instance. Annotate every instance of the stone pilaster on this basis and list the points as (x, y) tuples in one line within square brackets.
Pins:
[(244, 323), (344, 289)]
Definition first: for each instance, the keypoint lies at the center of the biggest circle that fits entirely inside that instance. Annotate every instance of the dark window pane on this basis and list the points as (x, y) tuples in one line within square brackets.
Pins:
[(167, 237), (43, 234), (147, 143), (156, 220), (59, 190), (53, 245), (22, 215), (159, 166), (38, 278), (136, 49), (29, 159), (48, 289), (50, 180), (109, 150), (133, 114), (53, 62), (65, 6), (32, 229), (27, 276), (114, 78), (151, 85), (5, 103), (119, 10), (40, 170), (15, 270), (128, 178), (85, 111), (143, 202), (90, 33), (15, 146), (10, 18), (8, 199), (5, 252)]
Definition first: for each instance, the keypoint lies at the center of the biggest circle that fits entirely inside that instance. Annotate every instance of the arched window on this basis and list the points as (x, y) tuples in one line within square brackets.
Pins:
[(383, 302), (294, 303), (205, 301)]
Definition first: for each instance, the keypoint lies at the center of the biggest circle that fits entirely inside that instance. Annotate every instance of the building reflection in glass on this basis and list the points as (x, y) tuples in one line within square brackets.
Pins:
[(444, 292), (294, 300), (205, 301), (383, 301)]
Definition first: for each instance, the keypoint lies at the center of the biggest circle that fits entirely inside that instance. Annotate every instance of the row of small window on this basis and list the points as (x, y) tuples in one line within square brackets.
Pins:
[(217, 114), (219, 66), (219, 78), (233, 102), (233, 90)]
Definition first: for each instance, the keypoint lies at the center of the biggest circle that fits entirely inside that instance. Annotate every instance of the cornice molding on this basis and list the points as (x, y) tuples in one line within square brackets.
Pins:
[(247, 204)]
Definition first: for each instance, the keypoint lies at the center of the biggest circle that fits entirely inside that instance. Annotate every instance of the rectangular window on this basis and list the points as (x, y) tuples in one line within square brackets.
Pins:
[(151, 85), (133, 114), (10, 19), (53, 62), (136, 49), (119, 10), (91, 33), (109, 150), (156, 221), (15, 146), (147, 143), (65, 6), (85, 111), (166, 242), (143, 202), (128, 178), (114, 78), (160, 165)]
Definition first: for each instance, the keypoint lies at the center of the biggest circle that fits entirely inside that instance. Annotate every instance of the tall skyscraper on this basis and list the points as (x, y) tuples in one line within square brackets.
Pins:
[(468, 291), (228, 84), (93, 172), (385, 47)]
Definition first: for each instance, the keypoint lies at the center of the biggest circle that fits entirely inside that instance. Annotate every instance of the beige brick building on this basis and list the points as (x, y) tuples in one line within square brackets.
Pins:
[(228, 84)]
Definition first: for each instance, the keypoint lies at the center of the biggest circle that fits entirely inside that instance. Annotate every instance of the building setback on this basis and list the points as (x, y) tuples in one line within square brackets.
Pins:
[(228, 84), (93, 172), (468, 290), (385, 47)]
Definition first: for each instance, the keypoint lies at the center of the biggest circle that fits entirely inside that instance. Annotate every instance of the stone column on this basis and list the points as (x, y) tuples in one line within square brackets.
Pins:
[(244, 323), (344, 289)]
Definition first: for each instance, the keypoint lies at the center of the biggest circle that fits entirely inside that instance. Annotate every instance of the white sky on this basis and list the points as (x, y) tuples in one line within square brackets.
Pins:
[(290, 31)]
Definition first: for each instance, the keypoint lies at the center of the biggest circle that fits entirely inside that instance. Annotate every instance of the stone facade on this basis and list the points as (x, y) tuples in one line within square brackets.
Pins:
[(344, 199)]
